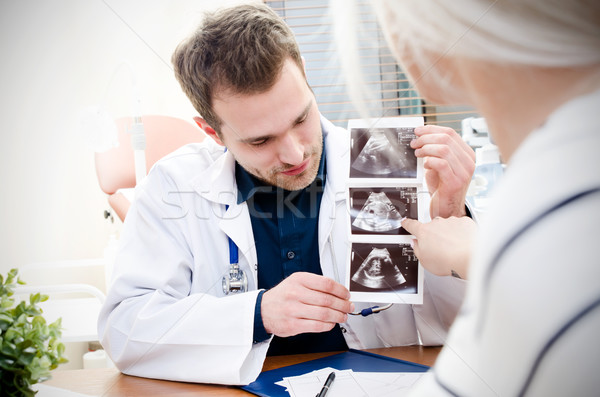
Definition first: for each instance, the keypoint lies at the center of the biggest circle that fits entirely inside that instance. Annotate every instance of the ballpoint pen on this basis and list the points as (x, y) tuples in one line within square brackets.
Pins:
[(327, 384)]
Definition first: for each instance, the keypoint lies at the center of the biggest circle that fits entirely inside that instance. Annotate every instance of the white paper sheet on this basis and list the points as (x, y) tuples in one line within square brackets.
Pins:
[(349, 383)]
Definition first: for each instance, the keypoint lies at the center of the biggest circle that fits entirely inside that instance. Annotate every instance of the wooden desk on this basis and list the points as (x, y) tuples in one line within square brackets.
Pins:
[(111, 383)]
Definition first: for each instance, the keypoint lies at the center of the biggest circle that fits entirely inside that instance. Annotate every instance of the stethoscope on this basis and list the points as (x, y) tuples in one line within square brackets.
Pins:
[(237, 280), (370, 310)]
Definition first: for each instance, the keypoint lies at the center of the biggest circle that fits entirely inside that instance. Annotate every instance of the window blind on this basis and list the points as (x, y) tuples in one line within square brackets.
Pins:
[(394, 95)]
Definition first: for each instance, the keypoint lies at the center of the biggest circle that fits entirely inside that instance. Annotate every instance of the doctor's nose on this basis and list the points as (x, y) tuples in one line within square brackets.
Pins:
[(291, 150)]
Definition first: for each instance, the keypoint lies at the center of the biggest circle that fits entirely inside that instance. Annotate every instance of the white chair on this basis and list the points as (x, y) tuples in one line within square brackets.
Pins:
[(74, 288)]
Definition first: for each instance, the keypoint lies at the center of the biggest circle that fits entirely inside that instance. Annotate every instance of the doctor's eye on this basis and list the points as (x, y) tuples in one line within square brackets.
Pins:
[(302, 120), (260, 142)]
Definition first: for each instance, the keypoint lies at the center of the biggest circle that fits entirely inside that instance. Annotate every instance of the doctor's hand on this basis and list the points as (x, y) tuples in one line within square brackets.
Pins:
[(449, 165), (304, 302), (443, 245)]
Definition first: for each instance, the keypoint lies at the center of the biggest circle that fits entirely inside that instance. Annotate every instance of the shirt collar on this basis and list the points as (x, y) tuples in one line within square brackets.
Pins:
[(248, 184)]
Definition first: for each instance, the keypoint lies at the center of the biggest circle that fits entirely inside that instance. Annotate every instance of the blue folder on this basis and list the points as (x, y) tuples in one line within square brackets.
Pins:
[(355, 360)]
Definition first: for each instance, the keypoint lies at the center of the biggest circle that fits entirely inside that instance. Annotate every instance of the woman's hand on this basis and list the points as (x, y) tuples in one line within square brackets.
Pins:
[(444, 244)]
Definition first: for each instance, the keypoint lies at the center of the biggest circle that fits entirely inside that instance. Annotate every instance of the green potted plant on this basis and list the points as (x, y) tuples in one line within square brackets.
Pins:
[(29, 347)]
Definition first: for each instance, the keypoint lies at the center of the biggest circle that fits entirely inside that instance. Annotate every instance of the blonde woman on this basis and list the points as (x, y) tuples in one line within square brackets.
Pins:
[(529, 324)]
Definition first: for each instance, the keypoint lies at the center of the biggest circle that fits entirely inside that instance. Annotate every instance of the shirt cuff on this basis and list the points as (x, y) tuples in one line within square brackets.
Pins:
[(470, 213), (260, 333)]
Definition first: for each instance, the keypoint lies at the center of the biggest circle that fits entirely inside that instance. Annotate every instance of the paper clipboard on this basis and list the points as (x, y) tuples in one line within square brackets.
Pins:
[(355, 360)]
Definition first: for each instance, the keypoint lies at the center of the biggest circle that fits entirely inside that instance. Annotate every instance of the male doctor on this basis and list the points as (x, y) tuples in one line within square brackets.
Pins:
[(271, 179)]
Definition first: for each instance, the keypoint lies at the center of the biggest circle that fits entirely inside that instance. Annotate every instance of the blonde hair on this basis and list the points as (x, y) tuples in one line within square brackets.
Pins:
[(553, 33), (547, 33)]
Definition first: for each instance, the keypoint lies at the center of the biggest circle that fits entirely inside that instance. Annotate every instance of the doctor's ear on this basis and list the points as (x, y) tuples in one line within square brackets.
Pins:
[(208, 130)]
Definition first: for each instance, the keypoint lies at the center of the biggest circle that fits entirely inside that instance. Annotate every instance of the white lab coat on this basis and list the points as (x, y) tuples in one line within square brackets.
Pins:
[(509, 329), (165, 314)]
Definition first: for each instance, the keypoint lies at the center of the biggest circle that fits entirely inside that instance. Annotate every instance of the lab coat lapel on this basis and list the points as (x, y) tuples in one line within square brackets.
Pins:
[(217, 182), (337, 151), (217, 185)]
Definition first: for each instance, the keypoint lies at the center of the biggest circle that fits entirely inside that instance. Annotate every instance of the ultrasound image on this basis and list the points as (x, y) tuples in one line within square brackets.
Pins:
[(383, 267), (380, 210), (378, 214), (383, 152)]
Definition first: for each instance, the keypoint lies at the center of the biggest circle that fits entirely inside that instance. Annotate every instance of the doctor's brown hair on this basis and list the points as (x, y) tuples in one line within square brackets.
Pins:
[(238, 50)]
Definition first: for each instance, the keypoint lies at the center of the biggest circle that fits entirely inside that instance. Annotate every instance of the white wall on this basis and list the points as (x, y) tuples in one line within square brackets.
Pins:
[(57, 58)]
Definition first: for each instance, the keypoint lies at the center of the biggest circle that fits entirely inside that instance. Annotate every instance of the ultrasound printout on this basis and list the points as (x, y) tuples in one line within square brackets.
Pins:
[(385, 186)]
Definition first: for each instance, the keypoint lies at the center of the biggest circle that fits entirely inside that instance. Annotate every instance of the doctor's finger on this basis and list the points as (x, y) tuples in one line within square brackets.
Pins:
[(326, 301), (323, 284), (322, 314), (460, 162), (434, 129), (314, 326), (449, 171), (442, 135), (454, 156), (443, 146)]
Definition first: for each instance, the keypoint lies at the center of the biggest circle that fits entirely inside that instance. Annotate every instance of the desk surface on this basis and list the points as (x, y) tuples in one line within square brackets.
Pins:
[(110, 382)]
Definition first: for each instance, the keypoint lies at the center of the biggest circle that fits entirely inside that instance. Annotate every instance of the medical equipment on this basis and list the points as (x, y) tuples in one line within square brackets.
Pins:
[(237, 280), (489, 168), (370, 310), (475, 132)]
